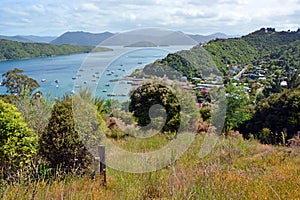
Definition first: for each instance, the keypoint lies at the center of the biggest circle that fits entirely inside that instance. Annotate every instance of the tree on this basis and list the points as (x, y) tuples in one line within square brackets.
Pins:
[(60, 143), (279, 113), (294, 80), (150, 94), (18, 144), (237, 108), (15, 81)]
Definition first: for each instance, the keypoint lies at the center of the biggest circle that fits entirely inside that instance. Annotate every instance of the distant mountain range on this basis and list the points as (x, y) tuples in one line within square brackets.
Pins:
[(81, 38), (39, 39), (153, 36), (15, 38), (206, 38), (29, 38)]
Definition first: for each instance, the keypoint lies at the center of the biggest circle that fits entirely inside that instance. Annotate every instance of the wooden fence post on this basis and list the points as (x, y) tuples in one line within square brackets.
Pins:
[(101, 150)]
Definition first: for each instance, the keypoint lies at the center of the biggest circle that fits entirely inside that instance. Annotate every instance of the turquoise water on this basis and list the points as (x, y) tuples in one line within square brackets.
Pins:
[(91, 70)]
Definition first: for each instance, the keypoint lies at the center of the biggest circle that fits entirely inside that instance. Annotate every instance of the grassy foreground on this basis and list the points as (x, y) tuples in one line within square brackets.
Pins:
[(236, 169)]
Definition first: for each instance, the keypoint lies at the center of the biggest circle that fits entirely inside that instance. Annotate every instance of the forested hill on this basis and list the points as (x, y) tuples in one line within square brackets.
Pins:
[(18, 50), (265, 46)]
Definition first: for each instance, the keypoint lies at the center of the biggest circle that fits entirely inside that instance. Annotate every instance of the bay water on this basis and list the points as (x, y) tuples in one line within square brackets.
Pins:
[(62, 75)]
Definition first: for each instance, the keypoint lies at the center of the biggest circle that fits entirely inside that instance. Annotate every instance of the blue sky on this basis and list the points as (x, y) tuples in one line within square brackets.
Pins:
[(54, 17)]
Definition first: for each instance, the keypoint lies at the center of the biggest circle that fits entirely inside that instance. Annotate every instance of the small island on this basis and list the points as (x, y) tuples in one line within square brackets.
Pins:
[(142, 44)]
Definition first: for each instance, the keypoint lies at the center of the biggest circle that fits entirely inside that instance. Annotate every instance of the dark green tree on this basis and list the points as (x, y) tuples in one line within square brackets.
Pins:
[(279, 113), (149, 94), (15, 81), (60, 143)]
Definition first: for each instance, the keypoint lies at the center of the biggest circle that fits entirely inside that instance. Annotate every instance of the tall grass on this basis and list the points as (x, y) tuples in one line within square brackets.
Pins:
[(236, 169)]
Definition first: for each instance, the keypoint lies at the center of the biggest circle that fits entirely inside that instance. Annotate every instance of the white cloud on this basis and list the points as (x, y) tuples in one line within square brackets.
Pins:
[(88, 7), (198, 16)]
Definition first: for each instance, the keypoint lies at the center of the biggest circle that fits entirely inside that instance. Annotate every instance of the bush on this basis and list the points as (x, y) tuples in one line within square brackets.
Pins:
[(264, 136), (18, 143), (205, 113)]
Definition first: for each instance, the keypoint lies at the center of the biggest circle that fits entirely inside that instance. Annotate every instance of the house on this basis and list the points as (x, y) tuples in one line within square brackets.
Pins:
[(205, 91), (183, 79), (262, 78), (283, 84)]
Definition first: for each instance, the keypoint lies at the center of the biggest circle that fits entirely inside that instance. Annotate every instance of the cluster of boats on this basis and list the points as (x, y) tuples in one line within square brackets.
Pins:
[(95, 77), (111, 72)]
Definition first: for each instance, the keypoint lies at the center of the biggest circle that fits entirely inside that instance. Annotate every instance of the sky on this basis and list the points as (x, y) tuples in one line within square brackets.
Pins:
[(234, 17)]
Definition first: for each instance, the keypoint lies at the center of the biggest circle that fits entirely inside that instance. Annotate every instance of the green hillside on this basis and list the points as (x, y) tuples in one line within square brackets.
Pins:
[(265, 46), (18, 50), (260, 47)]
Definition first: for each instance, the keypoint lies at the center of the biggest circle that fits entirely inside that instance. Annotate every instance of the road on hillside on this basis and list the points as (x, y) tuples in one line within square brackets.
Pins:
[(239, 75)]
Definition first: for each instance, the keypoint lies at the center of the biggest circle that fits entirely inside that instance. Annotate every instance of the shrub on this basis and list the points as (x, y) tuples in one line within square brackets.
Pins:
[(18, 143), (264, 136), (205, 113)]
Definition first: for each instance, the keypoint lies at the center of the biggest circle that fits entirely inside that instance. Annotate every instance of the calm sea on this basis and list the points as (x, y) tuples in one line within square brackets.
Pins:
[(66, 74)]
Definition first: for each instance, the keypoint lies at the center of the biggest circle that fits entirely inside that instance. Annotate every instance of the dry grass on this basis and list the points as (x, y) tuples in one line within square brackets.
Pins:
[(236, 169)]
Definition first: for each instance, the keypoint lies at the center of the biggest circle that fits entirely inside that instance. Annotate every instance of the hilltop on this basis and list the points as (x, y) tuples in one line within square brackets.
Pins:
[(81, 38), (153, 35), (265, 46)]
